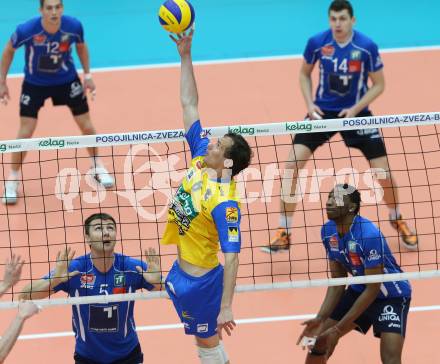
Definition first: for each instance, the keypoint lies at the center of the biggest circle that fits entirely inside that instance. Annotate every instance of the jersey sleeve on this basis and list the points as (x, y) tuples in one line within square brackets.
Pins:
[(373, 250), (142, 283), (18, 38), (310, 54), (198, 143), (227, 219), (79, 32), (374, 61)]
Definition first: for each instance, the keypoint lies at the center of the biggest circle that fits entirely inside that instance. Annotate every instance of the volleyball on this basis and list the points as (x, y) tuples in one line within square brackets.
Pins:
[(176, 16)]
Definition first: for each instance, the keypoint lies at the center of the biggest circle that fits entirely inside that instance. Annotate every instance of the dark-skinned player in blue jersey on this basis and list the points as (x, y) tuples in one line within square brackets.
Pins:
[(355, 246)]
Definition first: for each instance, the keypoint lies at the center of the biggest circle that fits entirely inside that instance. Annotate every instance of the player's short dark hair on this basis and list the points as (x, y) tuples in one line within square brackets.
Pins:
[(339, 5), (240, 152), (354, 196), (102, 216), (42, 3)]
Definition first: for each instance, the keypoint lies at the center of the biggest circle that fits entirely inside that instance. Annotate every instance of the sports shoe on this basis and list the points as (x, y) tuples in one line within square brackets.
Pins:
[(409, 238), (103, 177), (10, 194), (280, 242)]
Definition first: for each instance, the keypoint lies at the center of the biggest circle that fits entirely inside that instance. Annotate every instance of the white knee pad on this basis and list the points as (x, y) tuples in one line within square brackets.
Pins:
[(216, 355)]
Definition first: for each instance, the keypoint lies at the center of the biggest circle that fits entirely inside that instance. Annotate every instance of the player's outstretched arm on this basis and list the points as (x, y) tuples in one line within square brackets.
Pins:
[(8, 339), (364, 300), (334, 294), (84, 58), (225, 319), (7, 57), (305, 82), (44, 287), (189, 96), (12, 273)]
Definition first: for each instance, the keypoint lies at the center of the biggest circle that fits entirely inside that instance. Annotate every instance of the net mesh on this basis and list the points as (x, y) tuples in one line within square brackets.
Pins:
[(57, 192)]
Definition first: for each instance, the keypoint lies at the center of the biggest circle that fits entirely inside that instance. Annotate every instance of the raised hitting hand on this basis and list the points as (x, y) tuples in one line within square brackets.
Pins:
[(183, 41)]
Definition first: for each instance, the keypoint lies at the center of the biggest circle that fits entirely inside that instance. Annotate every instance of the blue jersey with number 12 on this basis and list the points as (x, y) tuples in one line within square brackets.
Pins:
[(48, 57), (104, 332), (343, 69)]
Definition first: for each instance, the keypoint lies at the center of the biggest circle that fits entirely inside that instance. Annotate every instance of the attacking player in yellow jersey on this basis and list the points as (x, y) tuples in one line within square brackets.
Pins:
[(205, 212)]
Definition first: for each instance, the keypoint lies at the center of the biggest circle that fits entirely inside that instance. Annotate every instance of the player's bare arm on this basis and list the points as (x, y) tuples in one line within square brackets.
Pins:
[(334, 294), (83, 54), (365, 299), (7, 57), (189, 96), (305, 82), (377, 88), (42, 288), (225, 319)]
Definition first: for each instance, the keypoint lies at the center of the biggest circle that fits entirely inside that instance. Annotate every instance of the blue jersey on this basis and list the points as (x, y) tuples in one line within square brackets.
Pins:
[(343, 69), (364, 247), (104, 332), (48, 57)]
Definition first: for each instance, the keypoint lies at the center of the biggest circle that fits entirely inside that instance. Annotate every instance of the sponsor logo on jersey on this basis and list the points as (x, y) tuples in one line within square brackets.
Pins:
[(119, 290), (186, 315), (87, 281), (233, 236), (232, 214), (201, 328), (64, 47), (355, 259), (374, 255), (388, 314), (354, 66), (334, 244), (378, 62), (208, 194), (328, 51), (190, 174), (39, 39), (119, 280), (355, 55), (352, 246)]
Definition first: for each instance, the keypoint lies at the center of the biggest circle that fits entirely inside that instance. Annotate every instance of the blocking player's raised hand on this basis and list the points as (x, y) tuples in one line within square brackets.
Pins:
[(61, 273), (12, 271), (27, 309), (153, 274)]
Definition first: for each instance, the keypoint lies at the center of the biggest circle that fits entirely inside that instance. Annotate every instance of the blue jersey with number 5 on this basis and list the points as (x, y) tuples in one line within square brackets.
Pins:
[(104, 332), (48, 57), (343, 69)]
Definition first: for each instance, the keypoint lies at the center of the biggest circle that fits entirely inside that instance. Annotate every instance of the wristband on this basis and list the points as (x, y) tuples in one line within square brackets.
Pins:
[(87, 76)]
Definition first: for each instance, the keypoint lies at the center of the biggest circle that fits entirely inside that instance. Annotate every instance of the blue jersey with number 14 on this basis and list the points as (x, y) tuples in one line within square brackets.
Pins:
[(104, 332), (343, 69), (48, 57)]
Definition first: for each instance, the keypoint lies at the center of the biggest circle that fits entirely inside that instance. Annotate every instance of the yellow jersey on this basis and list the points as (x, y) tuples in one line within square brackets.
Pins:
[(204, 212)]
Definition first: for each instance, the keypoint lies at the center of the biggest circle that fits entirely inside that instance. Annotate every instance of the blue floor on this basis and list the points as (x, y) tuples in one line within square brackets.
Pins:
[(127, 32)]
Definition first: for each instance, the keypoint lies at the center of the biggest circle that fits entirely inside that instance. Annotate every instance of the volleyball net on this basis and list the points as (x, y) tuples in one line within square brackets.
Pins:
[(58, 191)]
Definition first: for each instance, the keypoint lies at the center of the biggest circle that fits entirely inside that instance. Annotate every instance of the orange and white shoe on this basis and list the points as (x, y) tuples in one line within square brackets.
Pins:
[(409, 238), (279, 243)]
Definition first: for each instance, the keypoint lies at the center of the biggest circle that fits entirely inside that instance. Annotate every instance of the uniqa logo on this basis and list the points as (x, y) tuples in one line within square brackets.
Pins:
[(2, 147), (298, 126), (52, 143), (241, 130)]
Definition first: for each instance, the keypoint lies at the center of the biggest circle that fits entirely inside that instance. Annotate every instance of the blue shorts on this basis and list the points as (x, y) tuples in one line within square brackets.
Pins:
[(197, 299), (385, 315)]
